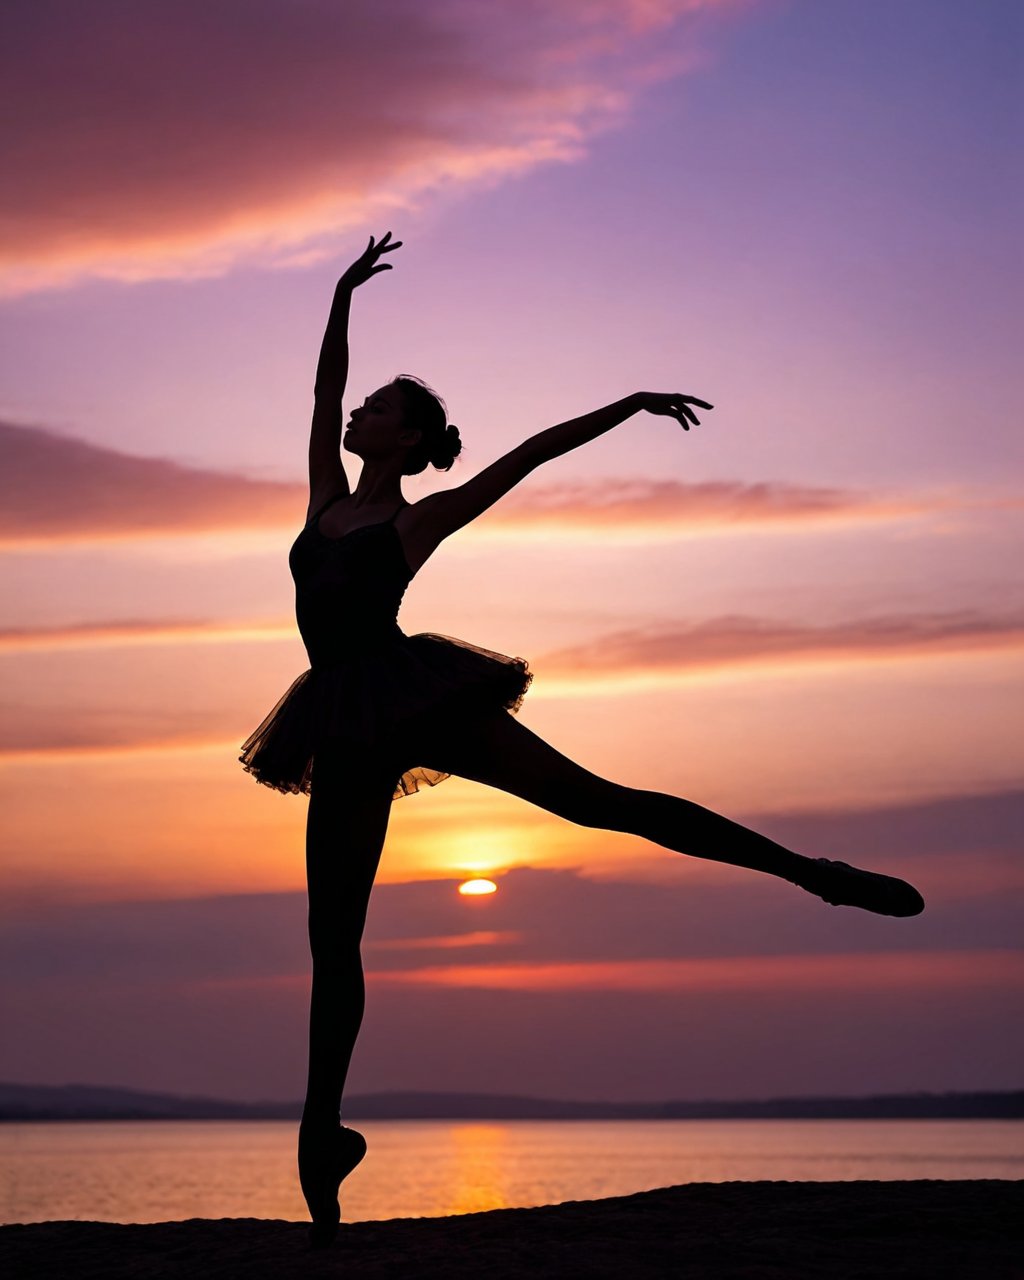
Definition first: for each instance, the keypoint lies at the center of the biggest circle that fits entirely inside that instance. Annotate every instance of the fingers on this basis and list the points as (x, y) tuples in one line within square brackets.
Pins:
[(382, 245), (682, 413), (675, 406), (681, 405), (375, 248), (685, 412)]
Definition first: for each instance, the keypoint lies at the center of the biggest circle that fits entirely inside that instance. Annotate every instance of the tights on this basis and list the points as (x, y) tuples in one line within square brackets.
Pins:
[(350, 804)]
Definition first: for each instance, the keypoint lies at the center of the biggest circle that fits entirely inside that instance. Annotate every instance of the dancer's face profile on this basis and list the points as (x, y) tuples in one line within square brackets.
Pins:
[(377, 428)]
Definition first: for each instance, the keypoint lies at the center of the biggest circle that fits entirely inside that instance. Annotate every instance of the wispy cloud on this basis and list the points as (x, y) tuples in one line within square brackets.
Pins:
[(49, 735), (55, 487), (177, 137), (621, 659), (134, 632), (735, 973), (609, 665), (670, 507)]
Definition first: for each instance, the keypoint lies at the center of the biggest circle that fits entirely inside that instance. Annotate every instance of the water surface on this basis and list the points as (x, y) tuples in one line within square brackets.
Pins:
[(153, 1171)]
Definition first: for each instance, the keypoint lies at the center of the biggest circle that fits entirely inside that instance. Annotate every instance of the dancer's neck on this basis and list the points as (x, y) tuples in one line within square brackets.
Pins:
[(378, 486)]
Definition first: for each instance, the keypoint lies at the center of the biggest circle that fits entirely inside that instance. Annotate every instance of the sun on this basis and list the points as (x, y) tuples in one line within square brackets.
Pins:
[(473, 888)]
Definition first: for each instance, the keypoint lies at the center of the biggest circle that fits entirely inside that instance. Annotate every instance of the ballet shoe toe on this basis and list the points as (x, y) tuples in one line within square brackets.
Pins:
[(841, 885), (325, 1163)]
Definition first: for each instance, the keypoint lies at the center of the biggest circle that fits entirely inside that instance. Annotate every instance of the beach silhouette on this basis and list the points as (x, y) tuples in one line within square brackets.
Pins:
[(804, 1230)]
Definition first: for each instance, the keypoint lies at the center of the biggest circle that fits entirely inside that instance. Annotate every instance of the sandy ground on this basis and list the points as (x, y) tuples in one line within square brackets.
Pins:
[(789, 1230)]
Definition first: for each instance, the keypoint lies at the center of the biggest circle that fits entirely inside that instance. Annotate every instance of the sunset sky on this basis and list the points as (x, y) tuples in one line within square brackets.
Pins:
[(806, 613)]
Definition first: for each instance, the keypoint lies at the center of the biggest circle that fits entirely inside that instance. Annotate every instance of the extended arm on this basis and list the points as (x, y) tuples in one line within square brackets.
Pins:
[(326, 474), (560, 439), (454, 508)]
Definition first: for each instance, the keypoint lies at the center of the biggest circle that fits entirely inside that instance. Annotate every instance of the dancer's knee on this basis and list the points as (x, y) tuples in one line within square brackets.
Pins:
[(335, 938)]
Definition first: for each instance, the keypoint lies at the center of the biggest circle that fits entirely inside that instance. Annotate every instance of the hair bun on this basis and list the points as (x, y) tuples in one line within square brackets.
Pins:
[(448, 448)]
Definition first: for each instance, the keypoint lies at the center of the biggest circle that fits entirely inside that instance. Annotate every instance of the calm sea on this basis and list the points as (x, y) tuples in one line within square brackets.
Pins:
[(128, 1171)]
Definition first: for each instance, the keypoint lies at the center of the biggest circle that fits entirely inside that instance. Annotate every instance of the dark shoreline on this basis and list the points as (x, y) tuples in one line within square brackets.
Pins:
[(732, 1231), (87, 1102)]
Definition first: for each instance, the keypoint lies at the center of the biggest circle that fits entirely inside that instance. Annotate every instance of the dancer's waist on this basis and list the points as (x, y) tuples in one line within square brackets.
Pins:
[(342, 646)]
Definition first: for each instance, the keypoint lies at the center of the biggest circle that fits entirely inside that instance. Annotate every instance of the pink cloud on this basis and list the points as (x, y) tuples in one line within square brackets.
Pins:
[(55, 487), (671, 506), (733, 641), (175, 138)]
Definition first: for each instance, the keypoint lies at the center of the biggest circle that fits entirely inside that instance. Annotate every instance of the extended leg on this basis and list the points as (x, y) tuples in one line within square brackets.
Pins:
[(348, 816), (503, 753)]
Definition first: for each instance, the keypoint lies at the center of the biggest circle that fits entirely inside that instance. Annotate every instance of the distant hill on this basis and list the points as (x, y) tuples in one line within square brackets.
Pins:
[(92, 1102)]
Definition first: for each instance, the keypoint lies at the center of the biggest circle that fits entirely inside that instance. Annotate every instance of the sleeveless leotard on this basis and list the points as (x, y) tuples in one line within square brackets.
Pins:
[(366, 676)]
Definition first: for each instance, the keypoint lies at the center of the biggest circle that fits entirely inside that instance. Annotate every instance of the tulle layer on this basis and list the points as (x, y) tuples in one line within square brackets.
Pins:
[(365, 700)]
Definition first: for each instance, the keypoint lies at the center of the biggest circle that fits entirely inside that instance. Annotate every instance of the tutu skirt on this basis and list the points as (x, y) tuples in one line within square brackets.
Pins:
[(365, 700)]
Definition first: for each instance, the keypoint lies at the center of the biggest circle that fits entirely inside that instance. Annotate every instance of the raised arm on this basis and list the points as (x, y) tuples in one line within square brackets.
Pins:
[(326, 473), (454, 508)]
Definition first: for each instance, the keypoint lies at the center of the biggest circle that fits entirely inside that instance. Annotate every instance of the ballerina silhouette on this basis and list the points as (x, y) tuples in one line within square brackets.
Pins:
[(379, 713)]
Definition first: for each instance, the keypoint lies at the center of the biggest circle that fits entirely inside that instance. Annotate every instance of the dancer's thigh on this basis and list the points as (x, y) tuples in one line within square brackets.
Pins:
[(498, 750), (349, 808)]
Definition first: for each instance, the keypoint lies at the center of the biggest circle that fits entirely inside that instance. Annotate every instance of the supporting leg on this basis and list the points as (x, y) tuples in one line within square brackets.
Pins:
[(349, 807)]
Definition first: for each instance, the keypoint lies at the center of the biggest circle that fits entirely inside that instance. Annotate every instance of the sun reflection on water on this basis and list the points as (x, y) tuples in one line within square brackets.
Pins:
[(480, 1156)]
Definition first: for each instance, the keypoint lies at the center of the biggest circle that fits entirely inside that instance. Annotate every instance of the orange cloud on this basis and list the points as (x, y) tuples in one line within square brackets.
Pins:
[(727, 642), (49, 737), (885, 970), (190, 137), (205, 697), (105, 635), (478, 938)]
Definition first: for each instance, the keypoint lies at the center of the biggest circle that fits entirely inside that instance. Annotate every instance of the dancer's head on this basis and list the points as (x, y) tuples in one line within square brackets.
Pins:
[(427, 414), (407, 417)]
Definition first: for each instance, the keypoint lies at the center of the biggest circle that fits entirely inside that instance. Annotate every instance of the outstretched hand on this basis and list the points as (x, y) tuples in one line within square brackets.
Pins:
[(673, 406), (366, 264)]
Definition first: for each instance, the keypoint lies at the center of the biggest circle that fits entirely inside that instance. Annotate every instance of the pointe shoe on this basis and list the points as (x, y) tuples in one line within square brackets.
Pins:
[(841, 885), (322, 1199)]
